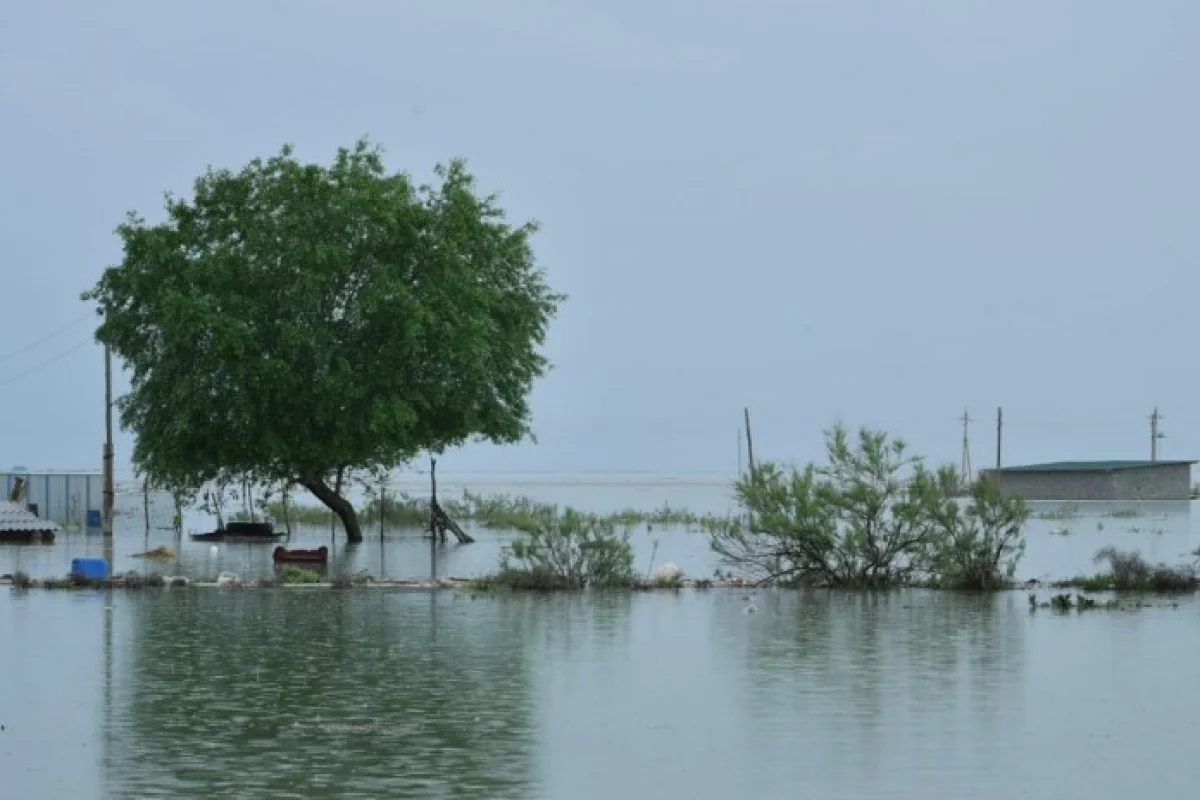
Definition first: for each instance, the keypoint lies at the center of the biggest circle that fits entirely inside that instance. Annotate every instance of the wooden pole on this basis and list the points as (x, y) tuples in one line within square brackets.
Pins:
[(749, 442), (382, 510), (433, 505), (109, 488), (146, 503), (999, 434)]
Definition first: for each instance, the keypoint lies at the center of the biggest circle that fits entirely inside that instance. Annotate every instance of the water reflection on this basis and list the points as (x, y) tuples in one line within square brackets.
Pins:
[(238, 694), (588, 697)]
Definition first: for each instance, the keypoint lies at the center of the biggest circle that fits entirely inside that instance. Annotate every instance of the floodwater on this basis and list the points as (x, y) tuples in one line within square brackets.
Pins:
[(1061, 540), (225, 693), (306, 694)]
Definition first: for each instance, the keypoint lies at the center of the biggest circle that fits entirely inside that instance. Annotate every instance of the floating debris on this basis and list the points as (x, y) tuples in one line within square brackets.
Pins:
[(156, 553)]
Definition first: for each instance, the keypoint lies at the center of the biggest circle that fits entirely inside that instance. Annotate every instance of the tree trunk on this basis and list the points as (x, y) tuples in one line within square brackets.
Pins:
[(338, 505)]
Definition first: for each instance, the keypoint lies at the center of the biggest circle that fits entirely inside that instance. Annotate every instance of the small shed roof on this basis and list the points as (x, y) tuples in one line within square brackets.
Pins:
[(15, 518), (1092, 466)]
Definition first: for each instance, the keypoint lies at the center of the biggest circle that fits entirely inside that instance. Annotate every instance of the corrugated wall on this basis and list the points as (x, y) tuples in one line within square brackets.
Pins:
[(63, 497)]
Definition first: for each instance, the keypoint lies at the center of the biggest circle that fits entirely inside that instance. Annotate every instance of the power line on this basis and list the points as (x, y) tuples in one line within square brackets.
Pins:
[(46, 363), (45, 338)]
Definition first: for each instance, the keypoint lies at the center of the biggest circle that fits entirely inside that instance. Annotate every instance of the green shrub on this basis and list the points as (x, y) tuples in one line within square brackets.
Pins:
[(1128, 571), (299, 575), (979, 544), (873, 516), (568, 551)]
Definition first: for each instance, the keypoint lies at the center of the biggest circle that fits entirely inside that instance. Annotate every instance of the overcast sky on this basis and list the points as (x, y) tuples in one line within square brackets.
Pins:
[(884, 212)]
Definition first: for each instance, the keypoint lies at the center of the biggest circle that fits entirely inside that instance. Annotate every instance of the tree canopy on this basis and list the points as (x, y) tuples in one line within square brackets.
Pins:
[(291, 321)]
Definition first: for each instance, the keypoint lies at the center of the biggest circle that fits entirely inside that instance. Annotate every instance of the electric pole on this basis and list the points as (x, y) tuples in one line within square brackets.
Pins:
[(1155, 434), (965, 468), (109, 492), (999, 434), (749, 441)]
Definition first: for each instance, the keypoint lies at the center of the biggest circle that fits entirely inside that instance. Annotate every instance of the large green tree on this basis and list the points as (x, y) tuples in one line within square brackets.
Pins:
[(292, 322)]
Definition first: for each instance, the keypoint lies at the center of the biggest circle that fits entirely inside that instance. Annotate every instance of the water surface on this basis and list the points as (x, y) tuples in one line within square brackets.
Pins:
[(291, 693), (1061, 540)]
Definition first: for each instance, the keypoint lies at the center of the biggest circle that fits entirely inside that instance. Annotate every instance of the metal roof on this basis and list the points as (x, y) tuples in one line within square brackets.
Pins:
[(15, 518), (1092, 466)]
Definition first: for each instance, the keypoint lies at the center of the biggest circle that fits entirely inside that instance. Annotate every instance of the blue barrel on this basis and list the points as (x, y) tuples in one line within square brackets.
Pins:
[(94, 520), (91, 568)]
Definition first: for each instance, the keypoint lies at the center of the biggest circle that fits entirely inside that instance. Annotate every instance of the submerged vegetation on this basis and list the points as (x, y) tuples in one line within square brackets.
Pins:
[(1063, 603), (497, 512), (874, 517), (1072, 511), (564, 552), (1130, 572)]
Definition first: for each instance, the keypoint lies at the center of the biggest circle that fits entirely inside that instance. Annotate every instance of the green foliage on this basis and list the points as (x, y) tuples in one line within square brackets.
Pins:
[(568, 551), (872, 517), (293, 322), (299, 575), (979, 543), (1061, 513)]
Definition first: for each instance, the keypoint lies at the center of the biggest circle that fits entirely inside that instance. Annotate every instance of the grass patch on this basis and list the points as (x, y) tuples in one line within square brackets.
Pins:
[(1060, 513), (293, 576)]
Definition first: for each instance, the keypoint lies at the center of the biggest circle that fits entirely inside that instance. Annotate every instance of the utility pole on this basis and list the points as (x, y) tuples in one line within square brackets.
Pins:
[(965, 467), (109, 491), (749, 441), (1155, 434), (999, 434)]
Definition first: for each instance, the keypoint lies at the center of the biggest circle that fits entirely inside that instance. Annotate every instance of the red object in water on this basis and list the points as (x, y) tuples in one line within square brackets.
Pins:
[(282, 555)]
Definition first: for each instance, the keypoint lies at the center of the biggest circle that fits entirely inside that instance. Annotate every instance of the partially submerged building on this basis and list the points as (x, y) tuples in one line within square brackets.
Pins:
[(69, 498), (1130, 481), (20, 526)]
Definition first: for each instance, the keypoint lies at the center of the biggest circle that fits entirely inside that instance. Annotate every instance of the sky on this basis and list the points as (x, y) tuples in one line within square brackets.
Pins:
[(883, 213)]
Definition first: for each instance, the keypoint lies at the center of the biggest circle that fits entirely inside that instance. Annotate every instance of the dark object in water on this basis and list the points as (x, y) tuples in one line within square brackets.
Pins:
[(232, 538), (240, 532), (250, 528), (26, 537), (282, 555)]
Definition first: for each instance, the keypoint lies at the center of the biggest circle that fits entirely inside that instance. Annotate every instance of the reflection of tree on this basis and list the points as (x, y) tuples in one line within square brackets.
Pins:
[(323, 694), (854, 663)]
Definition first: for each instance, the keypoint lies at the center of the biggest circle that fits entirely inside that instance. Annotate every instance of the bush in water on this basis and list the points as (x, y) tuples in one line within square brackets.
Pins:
[(873, 516), (568, 551)]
